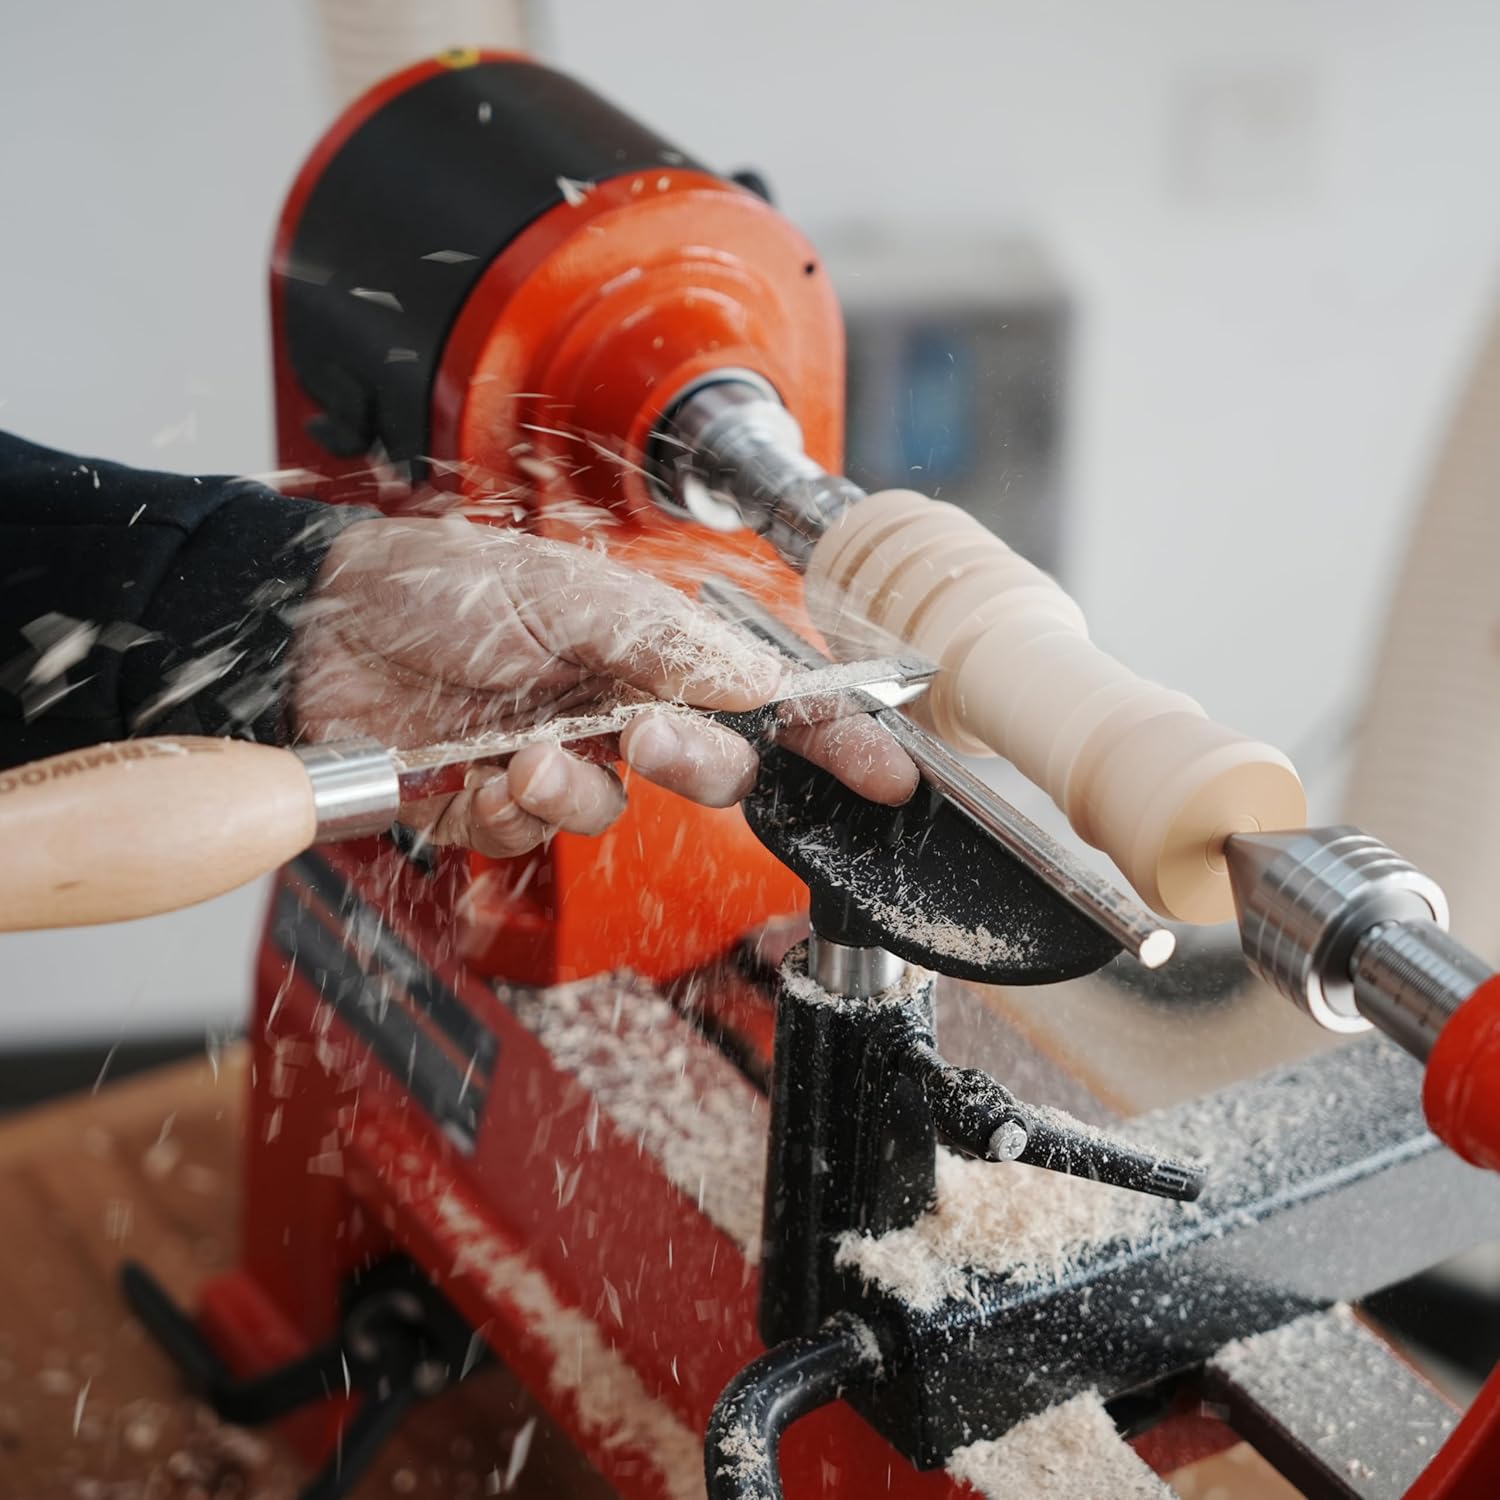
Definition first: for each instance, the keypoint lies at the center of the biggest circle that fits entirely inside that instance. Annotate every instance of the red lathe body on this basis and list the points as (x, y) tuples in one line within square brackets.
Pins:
[(523, 1104), (493, 279)]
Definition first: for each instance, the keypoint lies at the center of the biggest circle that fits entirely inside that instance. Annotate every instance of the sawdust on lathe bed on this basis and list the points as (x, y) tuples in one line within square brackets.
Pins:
[(649, 1074), (998, 1217), (1068, 1452)]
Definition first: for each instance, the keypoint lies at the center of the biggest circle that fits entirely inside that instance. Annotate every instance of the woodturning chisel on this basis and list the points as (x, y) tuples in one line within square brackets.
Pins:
[(137, 827)]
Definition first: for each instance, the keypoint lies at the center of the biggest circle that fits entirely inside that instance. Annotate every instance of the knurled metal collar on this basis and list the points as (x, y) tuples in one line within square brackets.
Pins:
[(1320, 892)]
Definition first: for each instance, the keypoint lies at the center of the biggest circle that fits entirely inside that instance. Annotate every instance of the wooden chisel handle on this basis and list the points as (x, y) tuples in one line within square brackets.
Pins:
[(144, 826)]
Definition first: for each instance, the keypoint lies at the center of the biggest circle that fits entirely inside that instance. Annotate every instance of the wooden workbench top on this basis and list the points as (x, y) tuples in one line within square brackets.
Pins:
[(89, 1408)]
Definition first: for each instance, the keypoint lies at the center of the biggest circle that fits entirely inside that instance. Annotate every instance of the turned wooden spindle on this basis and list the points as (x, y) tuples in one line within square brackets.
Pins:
[(1141, 771)]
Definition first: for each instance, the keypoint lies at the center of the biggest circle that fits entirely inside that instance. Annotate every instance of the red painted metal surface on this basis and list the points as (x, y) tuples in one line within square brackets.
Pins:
[(557, 1217), (606, 307), (1189, 1433), (343, 1169), (1467, 1466), (1461, 1097), (601, 310), (1461, 1092)]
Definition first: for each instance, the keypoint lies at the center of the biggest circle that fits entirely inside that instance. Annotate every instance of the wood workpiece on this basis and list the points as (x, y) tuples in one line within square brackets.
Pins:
[(1141, 771)]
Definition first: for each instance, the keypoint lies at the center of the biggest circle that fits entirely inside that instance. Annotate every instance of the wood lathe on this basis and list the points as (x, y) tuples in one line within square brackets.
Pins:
[(660, 1119)]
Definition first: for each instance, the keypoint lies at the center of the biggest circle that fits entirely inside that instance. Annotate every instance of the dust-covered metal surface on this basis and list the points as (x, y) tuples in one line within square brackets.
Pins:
[(919, 880), (1304, 1159), (1067, 1452), (1337, 1409)]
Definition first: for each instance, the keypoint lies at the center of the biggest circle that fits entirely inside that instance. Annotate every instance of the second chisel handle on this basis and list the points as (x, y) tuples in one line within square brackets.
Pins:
[(144, 826), (1141, 771)]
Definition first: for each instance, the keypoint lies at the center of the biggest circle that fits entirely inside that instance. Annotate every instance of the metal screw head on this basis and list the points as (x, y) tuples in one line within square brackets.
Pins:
[(1008, 1141)]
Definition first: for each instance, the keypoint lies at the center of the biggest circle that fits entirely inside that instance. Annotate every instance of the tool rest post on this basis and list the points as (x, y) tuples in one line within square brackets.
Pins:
[(851, 1143)]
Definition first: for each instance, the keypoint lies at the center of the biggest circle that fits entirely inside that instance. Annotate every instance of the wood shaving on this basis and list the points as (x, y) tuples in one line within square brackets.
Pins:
[(913, 913), (68, 643), (378, 297), (1032, 1225), (993, 1217), (610, 1400), (1068, 1452), (745, 1453), (652, 1077)]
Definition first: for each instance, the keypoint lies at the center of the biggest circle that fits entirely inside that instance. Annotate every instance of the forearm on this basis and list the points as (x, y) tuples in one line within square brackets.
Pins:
[(135, 602)]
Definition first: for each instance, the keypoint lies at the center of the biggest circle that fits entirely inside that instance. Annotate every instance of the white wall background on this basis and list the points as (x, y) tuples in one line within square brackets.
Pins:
[(1279, 225)]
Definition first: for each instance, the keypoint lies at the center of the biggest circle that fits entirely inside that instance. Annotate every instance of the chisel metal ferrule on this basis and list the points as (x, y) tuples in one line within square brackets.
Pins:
[(356, 788)]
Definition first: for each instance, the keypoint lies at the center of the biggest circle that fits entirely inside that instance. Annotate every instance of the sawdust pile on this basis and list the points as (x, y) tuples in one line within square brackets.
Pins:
[(999, 1217), (651, 1076), (612, 1406), (1069, 1452), (1031, 1225), (746, 1455), (915, 912), (798, 983)]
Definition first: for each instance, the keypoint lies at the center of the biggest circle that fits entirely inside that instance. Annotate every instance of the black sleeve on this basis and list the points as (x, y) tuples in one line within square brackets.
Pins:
[(134, 602)]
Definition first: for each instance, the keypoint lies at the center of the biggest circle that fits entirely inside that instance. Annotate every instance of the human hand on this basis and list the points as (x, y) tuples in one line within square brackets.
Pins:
[(424, 630)]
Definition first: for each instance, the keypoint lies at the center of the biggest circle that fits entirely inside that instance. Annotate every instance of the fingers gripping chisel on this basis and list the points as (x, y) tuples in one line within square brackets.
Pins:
[(143, 826)]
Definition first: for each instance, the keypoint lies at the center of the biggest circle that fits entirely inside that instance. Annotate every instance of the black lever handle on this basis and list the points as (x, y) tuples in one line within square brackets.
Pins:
[(249, 1401), (981, 1117)]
